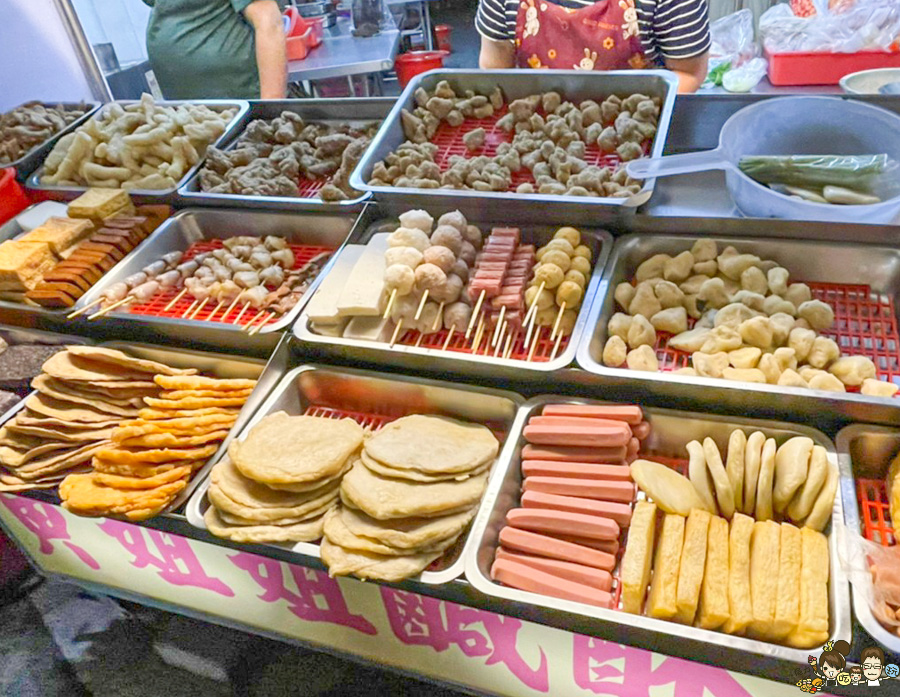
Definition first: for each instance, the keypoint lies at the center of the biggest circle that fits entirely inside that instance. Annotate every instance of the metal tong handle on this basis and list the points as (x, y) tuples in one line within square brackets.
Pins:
[(648, 168)]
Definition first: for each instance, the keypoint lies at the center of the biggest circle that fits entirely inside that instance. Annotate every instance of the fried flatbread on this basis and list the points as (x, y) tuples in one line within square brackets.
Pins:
[(298, 532), (139, 470), (106, 355), (156, 456), (416, 476), (171, 440), (47, 386), (199, 382), (124, 482), (67, 366), (82, 494), (342, 562), (58, 461), (409, 534), (194, 402), (12, 457), (176, 395), (187, 425), (339, 534), (272, 516), (66, 410), (152, 414), (60, 434), (26, 418)]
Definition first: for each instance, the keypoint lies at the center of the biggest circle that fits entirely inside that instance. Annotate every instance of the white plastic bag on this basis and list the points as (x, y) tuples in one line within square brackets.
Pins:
[(849, 26), (734, 53)]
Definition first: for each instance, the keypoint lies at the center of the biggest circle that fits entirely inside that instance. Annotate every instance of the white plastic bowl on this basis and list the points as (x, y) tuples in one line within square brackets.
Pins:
[(868, 81)]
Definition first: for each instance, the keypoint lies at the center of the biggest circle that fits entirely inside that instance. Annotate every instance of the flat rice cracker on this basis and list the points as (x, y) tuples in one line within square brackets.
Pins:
[(79, 436), (106, 355), (306, 531), (148, 385), (172, 440), (119, 481), (59, 461), (194, 402), (27, 418), (82, 494), (12, 457), (65, 365), (416, 476), (452, 446), (200, 382), (309, 488), (339, 534), (175, 395), (385, 499), (141, 470), (342, 562), (408, 534), (153, 414), (200, 424), (18, 440), (66, 410), (274, 516), (48, 387), (284, 449), (244, 491), (156, 455)]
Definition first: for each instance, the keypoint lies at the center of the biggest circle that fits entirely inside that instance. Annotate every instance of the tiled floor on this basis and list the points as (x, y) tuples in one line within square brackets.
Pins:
[(60, 641)]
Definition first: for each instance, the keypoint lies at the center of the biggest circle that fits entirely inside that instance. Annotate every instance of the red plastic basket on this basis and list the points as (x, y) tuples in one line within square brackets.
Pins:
[(876, 511), (12, 197), (795, 69)]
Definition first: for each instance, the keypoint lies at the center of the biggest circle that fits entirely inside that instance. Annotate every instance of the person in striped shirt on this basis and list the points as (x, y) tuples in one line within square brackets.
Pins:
[(597, 35)]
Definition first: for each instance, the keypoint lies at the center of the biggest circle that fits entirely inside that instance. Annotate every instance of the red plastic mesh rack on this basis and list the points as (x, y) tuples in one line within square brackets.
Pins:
[(156, 306), (875, 510), (516, 349), (865, 324)]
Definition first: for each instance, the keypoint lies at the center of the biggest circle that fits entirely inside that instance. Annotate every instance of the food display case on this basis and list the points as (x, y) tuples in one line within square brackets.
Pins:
[(356, 112), (452, 622)]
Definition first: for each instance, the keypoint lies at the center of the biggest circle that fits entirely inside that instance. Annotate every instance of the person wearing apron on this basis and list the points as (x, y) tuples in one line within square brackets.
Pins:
[(597, 35)]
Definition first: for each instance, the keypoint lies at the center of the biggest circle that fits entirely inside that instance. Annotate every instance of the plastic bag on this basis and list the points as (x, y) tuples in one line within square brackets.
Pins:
[(733, 48), (847, 26), (874, 570)]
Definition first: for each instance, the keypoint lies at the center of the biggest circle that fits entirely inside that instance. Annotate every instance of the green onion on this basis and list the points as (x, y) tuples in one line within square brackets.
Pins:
[(849, 171)]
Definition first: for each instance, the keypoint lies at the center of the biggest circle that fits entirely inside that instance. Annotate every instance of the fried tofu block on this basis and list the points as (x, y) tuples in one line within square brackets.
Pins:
[(764, 561), (714, 592), (60, 233), (97, 204), (638, 555), (23, 264), (787, 600), (740, 607), (812, 628), (661, 603), (693, 563)]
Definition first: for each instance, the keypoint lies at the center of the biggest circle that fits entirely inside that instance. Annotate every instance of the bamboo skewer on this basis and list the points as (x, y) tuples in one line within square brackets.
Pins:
[(508, 347), (449, 337), (174, 300), (532, 309), (476, 312), (530, 328), (110, 308), (199, 307), (437, 320), (421, 306), (190, 309), (477, 338), (230, 307), (390, 304), (419, 339), (215, 310), (495, 339), (499, 339), (241, 313), (556, 345), (265, 320), (562, 309), (84, 309), (534, 344), (253, 321), (396, 333)]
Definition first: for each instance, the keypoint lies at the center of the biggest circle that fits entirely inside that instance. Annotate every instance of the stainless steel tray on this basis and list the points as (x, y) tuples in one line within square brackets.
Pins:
[(354, 111), (671, 431), (418, 358), (35, 315), (67, 193), (31, 160), (842, 263), (865, 451), (191, 225), (214, 364), (574, 85), (366, 392)]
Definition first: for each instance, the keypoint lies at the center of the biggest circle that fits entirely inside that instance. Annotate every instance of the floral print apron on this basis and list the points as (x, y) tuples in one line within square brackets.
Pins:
[(602, 36)]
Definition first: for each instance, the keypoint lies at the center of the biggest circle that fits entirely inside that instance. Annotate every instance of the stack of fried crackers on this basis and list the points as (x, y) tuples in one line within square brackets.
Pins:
[(151, 458), (279, 482), (81, 396)]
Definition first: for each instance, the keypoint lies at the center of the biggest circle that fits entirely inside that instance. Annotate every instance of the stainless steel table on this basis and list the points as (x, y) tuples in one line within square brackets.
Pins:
[(343, 55)]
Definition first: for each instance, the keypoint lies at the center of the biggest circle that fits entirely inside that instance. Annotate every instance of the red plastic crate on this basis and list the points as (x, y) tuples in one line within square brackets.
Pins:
[(155, 307), (796, 69), (12, 197), (865, 324), (875, 511)]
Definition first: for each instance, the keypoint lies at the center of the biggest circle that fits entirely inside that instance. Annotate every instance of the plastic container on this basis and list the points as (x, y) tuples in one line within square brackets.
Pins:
[(791, 126), (796, 69), (408, 65), (12, 196), (869, 81), (442, 34)]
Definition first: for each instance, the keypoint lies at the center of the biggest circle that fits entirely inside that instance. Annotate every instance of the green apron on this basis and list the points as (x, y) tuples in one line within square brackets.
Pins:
[(202, 49)]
